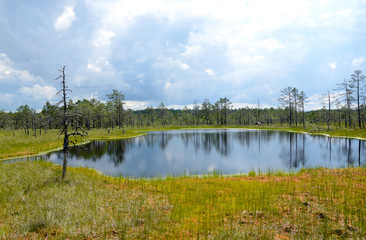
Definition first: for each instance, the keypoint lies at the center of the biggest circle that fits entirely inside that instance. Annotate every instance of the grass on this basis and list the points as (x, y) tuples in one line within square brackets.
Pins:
[(319, 203), (341, 132), (22, 144), (37, 204)]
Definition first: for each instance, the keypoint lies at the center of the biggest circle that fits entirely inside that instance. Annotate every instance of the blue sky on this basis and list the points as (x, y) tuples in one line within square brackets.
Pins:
[(177, 52)]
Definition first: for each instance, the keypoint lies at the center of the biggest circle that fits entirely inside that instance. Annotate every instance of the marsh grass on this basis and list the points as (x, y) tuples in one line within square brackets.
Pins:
[(22, 144), (335, 131), (313, 204), (36, 203)]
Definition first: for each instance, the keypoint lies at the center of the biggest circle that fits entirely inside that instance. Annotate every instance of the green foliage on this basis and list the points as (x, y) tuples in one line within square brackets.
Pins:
[(251, 173), (280, 173)]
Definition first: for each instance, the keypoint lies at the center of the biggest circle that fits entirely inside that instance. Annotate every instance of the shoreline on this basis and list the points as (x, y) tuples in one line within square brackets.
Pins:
[(101, 138)]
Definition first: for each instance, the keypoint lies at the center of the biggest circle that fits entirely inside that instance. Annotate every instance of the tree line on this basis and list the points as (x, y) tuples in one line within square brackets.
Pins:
[(343, 106)]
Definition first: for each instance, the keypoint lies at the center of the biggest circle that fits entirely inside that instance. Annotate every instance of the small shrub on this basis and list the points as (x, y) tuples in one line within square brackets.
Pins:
[(251, 173)]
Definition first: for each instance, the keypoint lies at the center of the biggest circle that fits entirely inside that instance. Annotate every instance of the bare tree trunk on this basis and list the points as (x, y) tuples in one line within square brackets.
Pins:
[(64, 164), (65, 124)]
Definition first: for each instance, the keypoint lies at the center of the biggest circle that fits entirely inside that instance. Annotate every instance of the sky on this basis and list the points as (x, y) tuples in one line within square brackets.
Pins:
[(178, 52)]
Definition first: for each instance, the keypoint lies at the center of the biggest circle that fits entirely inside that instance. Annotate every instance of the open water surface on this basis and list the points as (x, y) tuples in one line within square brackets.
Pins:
[(228, 151)]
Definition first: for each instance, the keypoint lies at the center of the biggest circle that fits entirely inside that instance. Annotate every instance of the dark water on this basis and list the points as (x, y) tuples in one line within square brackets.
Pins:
[(225, 150)]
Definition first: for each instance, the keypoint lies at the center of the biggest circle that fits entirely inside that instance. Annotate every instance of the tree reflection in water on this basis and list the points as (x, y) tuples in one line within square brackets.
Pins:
[(162, 139), (293, 155), (226, 150), (96, 149), (208, 141)]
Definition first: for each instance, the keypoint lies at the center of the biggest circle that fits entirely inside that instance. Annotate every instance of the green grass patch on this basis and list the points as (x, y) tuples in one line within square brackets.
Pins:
[(21, 144), (37, 204), (313, 204), (251, 173)]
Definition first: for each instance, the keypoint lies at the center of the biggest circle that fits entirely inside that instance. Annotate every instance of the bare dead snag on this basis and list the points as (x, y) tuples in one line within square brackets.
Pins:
[(66, 123)]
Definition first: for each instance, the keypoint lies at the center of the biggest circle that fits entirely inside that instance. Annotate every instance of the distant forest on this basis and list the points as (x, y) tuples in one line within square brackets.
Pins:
[(344, 106)]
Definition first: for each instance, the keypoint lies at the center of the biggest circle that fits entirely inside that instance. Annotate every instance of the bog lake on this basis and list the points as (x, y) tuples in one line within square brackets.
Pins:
[(225, 151)]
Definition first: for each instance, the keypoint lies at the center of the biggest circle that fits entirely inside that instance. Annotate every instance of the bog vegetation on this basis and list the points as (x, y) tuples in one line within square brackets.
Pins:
[(313, 204)]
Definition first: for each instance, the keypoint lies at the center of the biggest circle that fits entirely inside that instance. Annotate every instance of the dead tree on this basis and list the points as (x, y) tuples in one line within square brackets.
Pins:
[(66, 123)]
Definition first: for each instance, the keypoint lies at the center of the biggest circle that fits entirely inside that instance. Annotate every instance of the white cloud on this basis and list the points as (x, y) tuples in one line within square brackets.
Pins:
[(9, 73), (141, 76), (237, 105), (191, 51), (178, 106), (99, 62), (271, 44), (103, 38), (66, 19), (141, 59), (185, 66), (79, 80), (88, 96), (136, 105), (98, 65), (7, 97), (173, 87), (39, 92), (93, 68), (172, 50), (333, 66), (169, 63), (210, 72), (244, 35), (313, 102), (358, 62)]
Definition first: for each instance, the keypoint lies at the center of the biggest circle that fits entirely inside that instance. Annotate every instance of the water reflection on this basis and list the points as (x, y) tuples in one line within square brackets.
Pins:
[(228, 151), (293, 155), (95, 150), (208, 142)]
